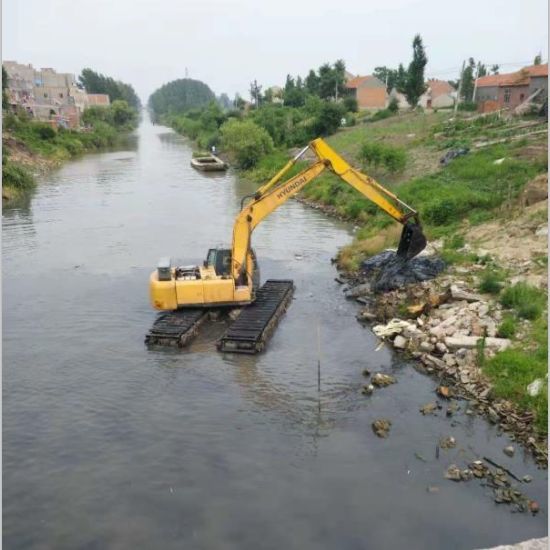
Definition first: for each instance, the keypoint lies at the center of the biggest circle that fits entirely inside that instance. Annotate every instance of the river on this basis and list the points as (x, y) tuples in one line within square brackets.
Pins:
[(107, 444)]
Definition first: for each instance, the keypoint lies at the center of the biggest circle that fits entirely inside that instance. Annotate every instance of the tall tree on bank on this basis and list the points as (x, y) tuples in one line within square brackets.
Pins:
[(4, 88), (415, 86), (255, 93), (538, 59), (467, 89)]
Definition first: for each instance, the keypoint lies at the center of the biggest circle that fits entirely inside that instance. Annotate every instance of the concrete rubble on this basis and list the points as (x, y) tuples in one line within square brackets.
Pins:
[(446, 326)]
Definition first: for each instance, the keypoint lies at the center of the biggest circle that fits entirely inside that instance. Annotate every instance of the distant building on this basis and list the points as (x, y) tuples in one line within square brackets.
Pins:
[(48, 95), (439, 94), (369, 91), (509, 90), (98, 100)]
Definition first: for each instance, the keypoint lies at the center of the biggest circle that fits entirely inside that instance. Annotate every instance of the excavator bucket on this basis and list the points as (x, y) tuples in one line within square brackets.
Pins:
[(412, 241)]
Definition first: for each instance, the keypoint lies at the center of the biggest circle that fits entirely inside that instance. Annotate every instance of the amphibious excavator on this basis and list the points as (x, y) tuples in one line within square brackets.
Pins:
[(230, 278)]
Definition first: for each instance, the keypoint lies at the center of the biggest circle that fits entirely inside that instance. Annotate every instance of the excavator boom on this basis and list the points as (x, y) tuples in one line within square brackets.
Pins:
[(230, 278)]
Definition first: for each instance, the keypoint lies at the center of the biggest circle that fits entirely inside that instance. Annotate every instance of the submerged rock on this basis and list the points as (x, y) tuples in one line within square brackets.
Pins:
[(381, 380), (389, 272), (381, 427)]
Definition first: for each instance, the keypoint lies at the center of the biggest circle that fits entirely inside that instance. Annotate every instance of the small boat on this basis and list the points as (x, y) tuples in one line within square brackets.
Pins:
[(209, 163)]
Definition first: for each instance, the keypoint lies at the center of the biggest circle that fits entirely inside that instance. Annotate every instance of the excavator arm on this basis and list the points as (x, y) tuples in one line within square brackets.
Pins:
[(271, 195)]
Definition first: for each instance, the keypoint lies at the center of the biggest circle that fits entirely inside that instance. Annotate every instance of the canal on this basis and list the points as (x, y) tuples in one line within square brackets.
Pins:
[(107, 444)]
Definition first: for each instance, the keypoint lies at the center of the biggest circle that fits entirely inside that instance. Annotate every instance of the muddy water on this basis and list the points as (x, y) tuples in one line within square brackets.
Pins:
[(109, 445)]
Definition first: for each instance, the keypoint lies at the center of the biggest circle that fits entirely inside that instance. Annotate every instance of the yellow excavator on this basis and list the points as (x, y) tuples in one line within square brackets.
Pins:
[(230, 277)]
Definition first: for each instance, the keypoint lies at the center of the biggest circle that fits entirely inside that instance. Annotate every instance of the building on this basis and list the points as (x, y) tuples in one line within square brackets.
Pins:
[(98, 100), (507, 91), (439, 94), (48, 95), (369, 91)]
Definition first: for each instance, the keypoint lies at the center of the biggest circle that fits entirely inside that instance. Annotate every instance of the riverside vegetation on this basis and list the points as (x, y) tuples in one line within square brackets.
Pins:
[(30, 145)]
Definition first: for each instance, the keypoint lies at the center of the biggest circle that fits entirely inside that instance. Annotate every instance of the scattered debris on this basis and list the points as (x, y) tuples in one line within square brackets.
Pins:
[(395, 326), (444, 391), (533, 389), (387, 271), (420, 457), (432, 489), (527, 479), (533, 506), (381, 427), (366, 372), (381, 380), (452, 154), (429, 408), (454, 473), (447, 442), (509, 450), (368, 390)]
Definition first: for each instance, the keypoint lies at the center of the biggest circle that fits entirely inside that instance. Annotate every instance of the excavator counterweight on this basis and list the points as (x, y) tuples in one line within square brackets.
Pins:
[(230, 277)]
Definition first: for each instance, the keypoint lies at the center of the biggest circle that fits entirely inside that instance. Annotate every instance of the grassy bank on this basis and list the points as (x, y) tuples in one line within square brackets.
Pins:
[(30, 145)]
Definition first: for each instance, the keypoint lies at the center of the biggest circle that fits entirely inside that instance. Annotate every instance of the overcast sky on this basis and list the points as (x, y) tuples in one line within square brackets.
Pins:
[(229, 43)]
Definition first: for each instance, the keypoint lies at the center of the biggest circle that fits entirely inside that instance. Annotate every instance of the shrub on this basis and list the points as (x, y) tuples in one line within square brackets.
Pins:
[(43, 130), (467, 106), (380, 115), (393, 107), (528, 301), (15, 175), (246, 141), (392, 158), (491, 282), (507, 327), (350, 104)]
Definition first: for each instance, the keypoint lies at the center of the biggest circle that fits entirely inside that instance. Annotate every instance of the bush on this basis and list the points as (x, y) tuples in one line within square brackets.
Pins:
[(507, 327), (43, 130), (380, 115), (15, 175), (350, 104), (528, 301), (491, 282), (393, 107), (379, 154), (246, 141), (467, 106)]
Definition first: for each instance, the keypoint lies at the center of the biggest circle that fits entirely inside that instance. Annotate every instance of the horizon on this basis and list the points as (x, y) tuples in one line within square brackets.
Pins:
[(512, 40)]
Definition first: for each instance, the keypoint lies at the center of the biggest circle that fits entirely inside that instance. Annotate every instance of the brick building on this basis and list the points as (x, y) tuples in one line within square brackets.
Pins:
[(369, 91), (509, 90)]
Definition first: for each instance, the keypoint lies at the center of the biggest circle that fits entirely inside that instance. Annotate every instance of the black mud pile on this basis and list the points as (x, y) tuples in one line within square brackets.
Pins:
[(387, 271)]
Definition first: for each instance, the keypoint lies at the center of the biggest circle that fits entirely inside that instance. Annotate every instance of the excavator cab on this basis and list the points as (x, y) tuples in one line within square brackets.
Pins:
[(412, 241), (220, 260)]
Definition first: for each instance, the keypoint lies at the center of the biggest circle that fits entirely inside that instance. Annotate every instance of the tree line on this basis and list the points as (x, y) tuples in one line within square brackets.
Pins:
[(96, 83)]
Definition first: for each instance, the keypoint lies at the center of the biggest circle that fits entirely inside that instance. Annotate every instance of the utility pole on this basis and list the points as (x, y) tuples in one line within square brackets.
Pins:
[(475, 82), (460, 86)]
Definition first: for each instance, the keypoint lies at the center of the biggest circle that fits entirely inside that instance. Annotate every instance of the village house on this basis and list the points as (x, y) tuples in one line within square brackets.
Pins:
[(509, 90), (48, 95), (439, 94), (369, 91)]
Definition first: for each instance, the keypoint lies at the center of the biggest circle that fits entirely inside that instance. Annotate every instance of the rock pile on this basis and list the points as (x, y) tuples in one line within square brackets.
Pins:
[(447, 329)]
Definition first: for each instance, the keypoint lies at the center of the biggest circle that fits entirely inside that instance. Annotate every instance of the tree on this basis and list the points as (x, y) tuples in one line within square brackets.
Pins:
[(179, 96), (350, 104), (467, 77), (415, 86), (538, 59), (294, 94), (401, 79), (255, 93), (224, 101), (246, 141), (387, 76), (494, 69), (481, 70), (312, 83), (239, 102), (4, 88)]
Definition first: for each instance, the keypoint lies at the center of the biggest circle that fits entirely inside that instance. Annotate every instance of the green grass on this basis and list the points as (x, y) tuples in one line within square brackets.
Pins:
[(394, 159), (491, 281), (508, 327), (512, 370), (528, 302), (16, 176)]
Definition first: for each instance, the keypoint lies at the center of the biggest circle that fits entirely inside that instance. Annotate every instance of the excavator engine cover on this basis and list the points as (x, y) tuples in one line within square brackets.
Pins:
[(412, 241)]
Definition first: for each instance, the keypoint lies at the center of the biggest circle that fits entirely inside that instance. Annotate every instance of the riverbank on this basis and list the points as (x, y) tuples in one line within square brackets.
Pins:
[(31, 148)]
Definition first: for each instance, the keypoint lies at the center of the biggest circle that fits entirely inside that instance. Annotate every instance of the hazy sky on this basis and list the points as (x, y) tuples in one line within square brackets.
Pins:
[(229, 43)]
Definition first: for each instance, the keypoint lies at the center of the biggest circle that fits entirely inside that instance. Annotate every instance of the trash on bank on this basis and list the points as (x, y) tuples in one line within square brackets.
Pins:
[(389, 272), (381, 427)]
